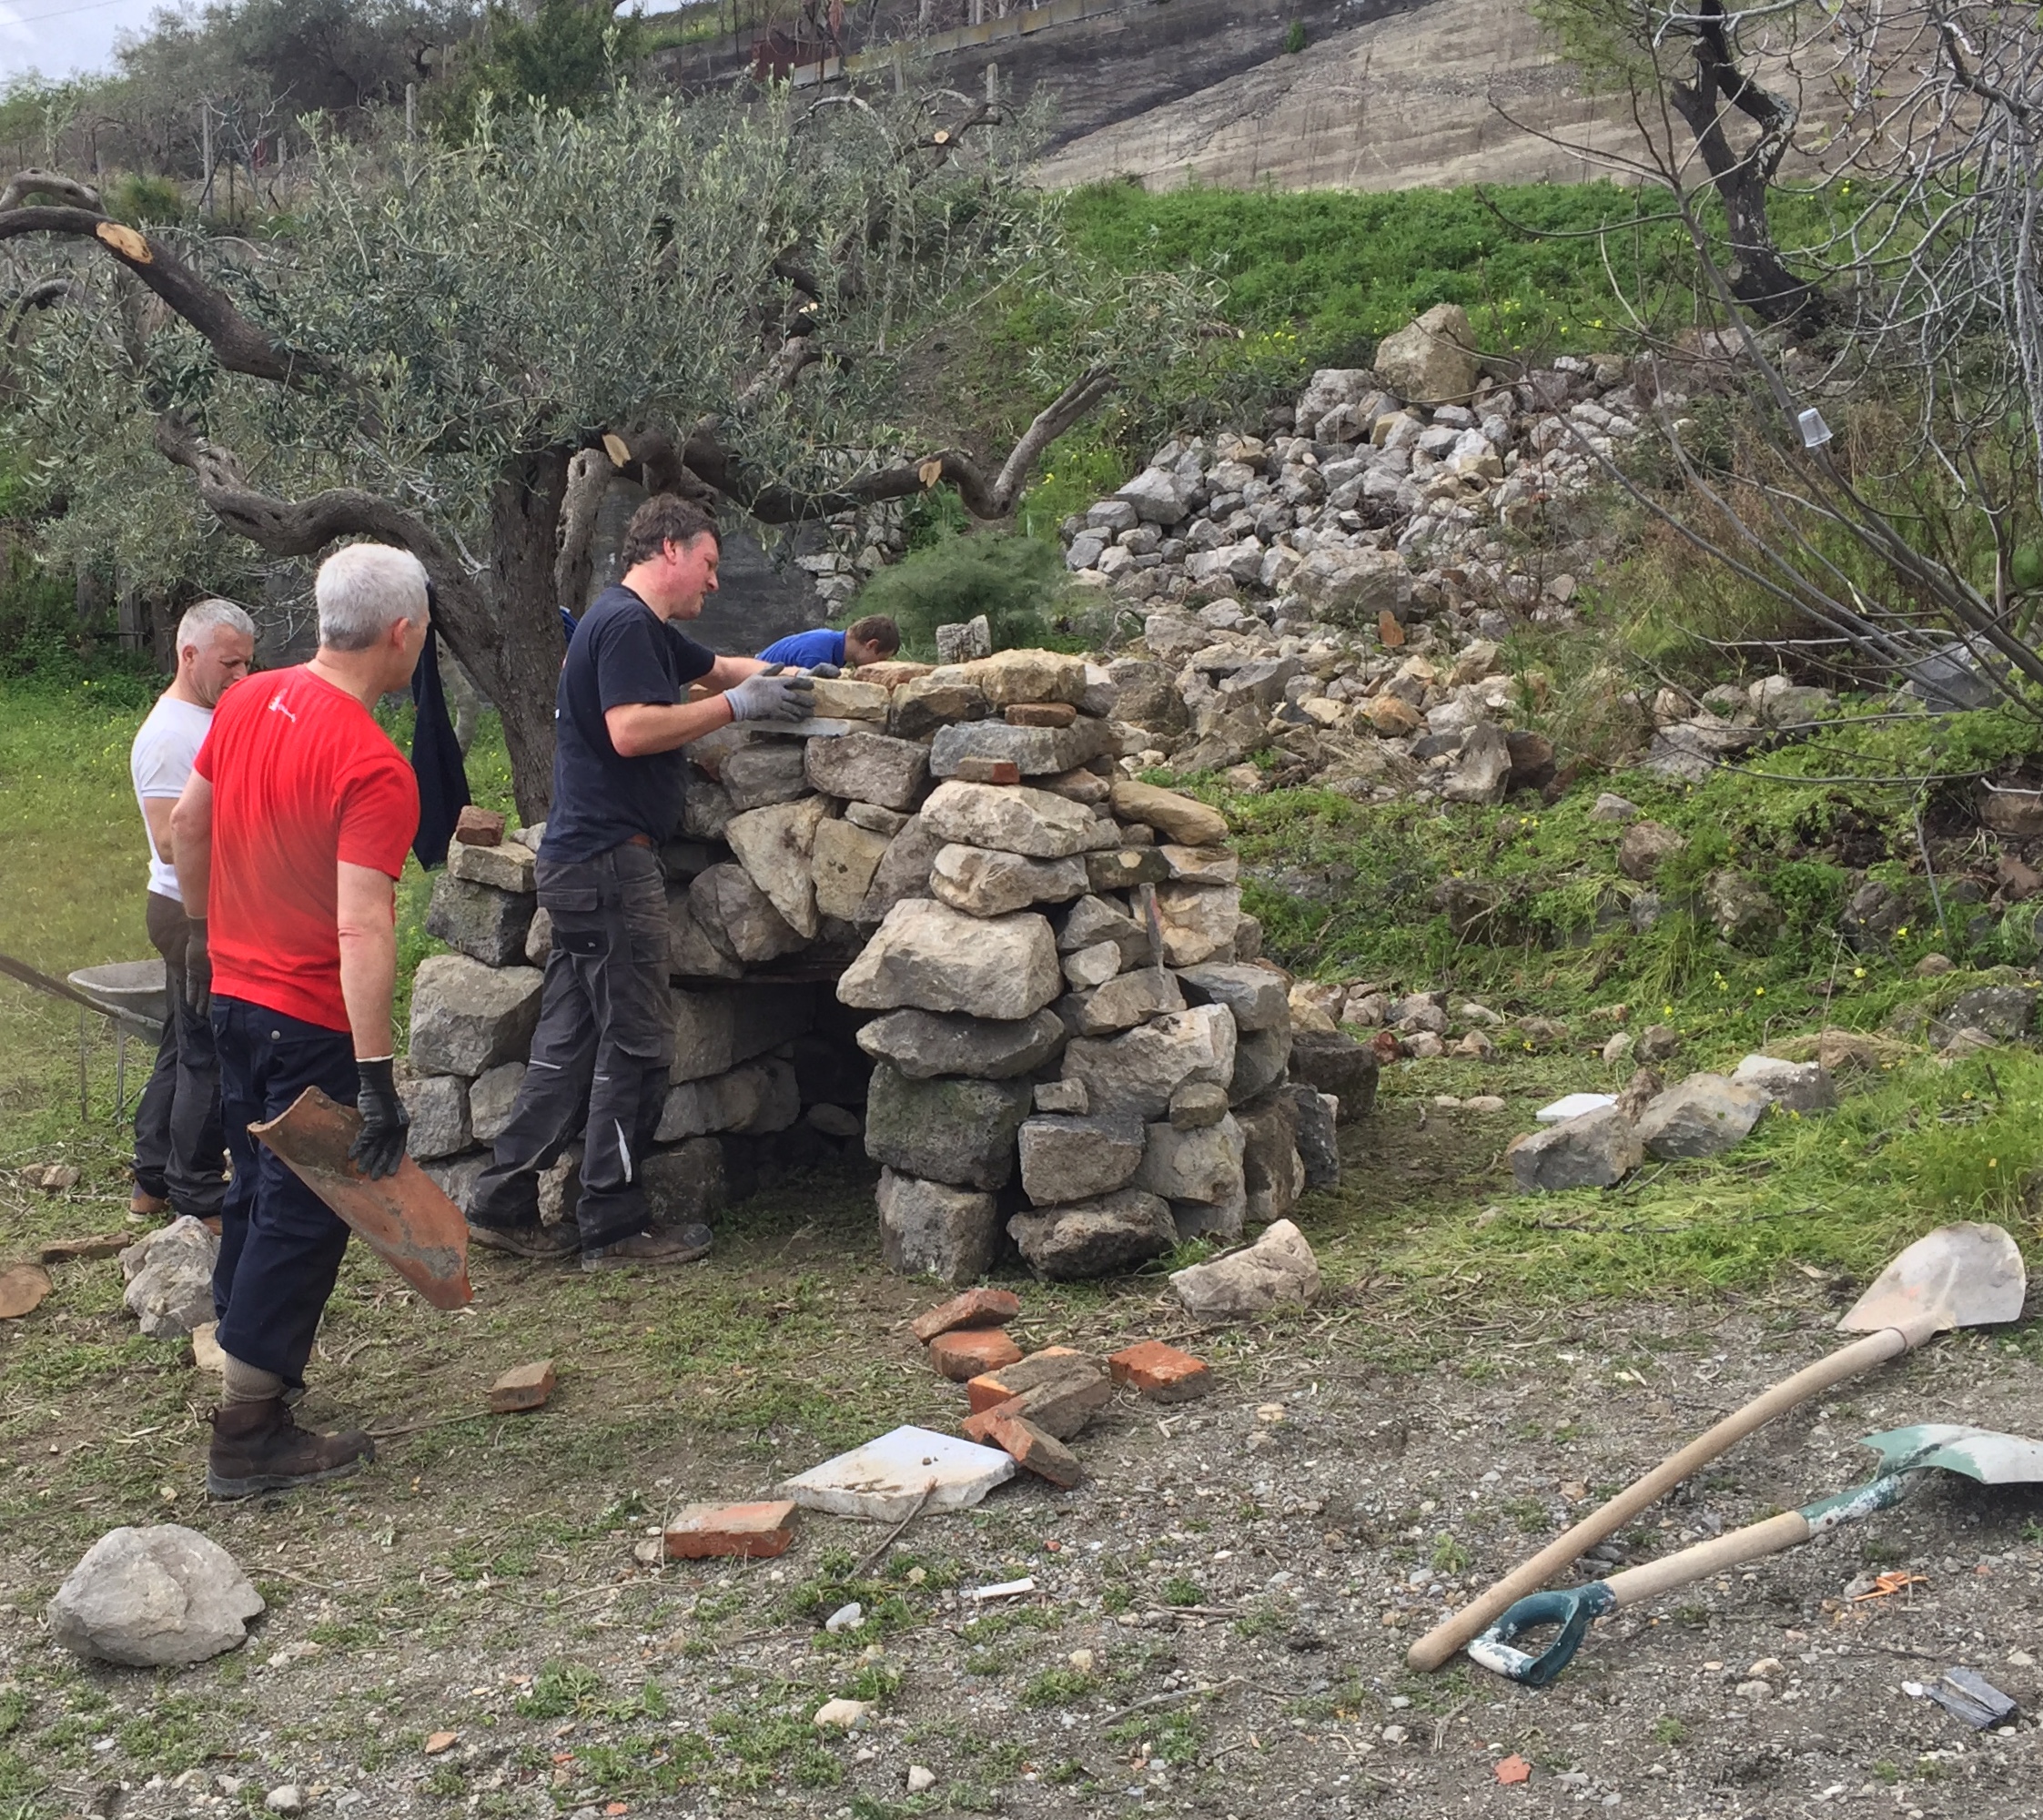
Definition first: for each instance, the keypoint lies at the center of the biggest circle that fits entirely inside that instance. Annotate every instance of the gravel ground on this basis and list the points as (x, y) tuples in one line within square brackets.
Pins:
[(1218, 1624)]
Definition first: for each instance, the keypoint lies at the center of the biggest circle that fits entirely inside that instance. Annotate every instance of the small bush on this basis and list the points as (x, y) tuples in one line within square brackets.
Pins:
[(145, 201), (1016, 582), (1294, 37)]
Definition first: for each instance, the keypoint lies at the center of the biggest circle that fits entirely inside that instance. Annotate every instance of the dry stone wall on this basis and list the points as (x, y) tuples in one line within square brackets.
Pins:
[(941, 923)]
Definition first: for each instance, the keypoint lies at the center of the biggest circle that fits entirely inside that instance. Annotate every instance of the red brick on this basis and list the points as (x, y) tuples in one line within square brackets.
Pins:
[(1010, 1380), (1061, 1407), (988, 771), (970, 1350), (1041, 714), (523, 1387), (1040, 1453), (1161, 1372), (479, 827), (757, 1532), (975, 1308)]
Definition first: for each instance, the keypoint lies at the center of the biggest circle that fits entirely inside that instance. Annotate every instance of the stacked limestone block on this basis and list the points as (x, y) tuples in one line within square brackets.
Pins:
[(942, 918)]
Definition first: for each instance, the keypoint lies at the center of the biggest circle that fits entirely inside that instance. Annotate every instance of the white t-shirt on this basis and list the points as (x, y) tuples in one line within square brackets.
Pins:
[(160, 763)]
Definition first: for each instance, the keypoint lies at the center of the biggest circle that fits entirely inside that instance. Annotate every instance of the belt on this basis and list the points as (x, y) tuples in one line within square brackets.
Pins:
[(639, 841)]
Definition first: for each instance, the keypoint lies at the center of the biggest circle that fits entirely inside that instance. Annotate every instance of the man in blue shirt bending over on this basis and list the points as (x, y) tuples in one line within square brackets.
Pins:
[(864, 641)]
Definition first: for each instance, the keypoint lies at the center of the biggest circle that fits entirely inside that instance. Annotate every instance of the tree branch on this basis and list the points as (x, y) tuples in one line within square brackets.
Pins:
[(588, 478), (29, 182)]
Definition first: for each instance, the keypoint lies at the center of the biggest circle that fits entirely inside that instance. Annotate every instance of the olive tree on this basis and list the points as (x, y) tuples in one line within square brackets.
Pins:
[(455, 349)]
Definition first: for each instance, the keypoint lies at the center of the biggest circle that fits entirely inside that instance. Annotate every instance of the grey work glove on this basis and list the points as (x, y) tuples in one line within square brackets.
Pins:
[(198, 970), (828, 671), (771, 696), (378, 1147)]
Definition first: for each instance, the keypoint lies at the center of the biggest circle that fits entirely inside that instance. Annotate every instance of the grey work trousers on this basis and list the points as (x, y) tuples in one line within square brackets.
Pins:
[(601, 1052), (180, 1151)]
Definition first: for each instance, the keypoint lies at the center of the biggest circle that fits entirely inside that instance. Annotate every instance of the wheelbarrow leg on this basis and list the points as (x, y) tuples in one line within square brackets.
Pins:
[(84, 1110), (120, 1072)]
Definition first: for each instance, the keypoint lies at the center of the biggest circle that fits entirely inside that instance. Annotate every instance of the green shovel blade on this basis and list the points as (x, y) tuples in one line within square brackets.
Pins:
[(1980, 1453)]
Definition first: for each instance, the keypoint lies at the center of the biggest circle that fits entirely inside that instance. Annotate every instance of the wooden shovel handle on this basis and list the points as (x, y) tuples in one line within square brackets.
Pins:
[(1770, 1537), (1441, 1642)]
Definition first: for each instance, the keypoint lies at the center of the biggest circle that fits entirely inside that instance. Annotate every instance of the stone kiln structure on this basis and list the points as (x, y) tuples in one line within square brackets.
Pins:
[(943, 921)]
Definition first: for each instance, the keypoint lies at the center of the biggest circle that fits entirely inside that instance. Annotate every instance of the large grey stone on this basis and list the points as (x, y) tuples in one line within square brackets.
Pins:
[(926, 705), (457, 1177), (1034, 751), (170, 1274), (1354, 586), (686, 1185), (903, 870), (1093, 920), (1700, 1117), (716, 1027), (1594, 1150), (1258, 996), (1483, 771), (846, 858), (489, 925), (1157, 496), (773, 846), (439, 1107), (1202, 1164), (1146, 695), (508, 867), (1272, 1171), (982, 883), (1009, 677), (1794, 1087), (1198, 921), (1644, 846), (1741, 912), (1095, 1238), (1277, 1272), (492, 1098), (1010, 818), (930, 1229), (1260, 1059), (935, 958), (467, 1017), (1338, 1064), (1072, 1159), (154, 1598), (1087, 968), (926, 1044), (945, 1130), (756, 776), (1138, 1070), (1129, 999), (870, 768), (2003, 1011), (725, 1102), (728, 910), (705, 806), (1432, 360), (1319, 1148)]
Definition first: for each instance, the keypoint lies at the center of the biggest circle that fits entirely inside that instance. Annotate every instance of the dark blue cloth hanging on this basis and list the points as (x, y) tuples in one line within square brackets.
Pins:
[(436, 759)]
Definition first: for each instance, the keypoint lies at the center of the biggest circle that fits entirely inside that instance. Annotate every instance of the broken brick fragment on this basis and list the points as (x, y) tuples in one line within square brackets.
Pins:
[(967, 1351), (1011, 1378), (1041, 714), (1031, 1448), (988, 771), (523, 1387), (975, 1308), (479, 827), (756, 1532), (1161, 1372)]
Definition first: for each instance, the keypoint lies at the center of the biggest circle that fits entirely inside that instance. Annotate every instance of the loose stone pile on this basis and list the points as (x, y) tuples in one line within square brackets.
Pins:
[(944, 917)]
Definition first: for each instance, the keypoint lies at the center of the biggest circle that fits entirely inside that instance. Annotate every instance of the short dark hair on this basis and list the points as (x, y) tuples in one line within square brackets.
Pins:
[(877, 631), (665, 519)]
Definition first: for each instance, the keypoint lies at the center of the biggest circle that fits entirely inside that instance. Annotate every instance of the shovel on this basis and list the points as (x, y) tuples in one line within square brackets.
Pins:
[(405, 1218), (1965, 1275), (1976, 1454)]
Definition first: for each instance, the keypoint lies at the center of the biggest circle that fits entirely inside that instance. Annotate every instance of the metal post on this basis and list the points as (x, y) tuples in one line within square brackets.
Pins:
[(120, 1071), (993, 83), (84, 1110), (206, 154), (410, 110)]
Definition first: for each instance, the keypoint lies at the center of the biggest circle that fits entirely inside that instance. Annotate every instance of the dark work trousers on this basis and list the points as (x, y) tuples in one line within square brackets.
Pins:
[(280, 1244), (181, 1155), (600, 1054)]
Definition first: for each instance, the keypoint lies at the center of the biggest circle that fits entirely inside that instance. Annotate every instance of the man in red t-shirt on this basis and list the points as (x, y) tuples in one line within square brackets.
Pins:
[(289, 838)]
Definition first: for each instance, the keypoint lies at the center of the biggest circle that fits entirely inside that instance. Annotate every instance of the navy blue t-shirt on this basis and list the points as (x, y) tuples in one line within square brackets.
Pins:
[(621, 652)]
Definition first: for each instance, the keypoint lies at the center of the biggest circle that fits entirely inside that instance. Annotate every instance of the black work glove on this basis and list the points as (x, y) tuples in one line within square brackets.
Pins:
[(198, 970), (379, 1149)]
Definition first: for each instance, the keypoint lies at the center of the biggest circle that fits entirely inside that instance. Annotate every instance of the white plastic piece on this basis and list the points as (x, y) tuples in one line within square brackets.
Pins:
[(908, 1470), (1006, 1589), (1573, 1105), (1815, 433)]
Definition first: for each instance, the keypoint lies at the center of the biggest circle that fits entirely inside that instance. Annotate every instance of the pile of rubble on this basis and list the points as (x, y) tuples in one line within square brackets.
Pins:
[(941, 919)]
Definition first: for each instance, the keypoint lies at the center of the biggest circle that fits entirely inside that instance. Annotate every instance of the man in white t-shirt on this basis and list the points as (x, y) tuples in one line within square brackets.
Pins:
[(180, 1154)]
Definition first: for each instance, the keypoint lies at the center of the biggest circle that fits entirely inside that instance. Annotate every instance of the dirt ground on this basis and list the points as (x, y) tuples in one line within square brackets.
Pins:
[(1219, 1614)]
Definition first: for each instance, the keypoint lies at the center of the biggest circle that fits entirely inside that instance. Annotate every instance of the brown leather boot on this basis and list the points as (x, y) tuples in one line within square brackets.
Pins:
[(257, 1447)]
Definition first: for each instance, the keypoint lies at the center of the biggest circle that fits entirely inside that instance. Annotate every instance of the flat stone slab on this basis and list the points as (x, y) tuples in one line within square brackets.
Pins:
[(887, 1479), (1573, 1105)]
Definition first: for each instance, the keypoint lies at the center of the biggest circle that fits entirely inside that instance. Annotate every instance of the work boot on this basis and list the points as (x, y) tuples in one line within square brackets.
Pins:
[(533, 1240), (258, 1447), (142, 1207), (656, 1245)]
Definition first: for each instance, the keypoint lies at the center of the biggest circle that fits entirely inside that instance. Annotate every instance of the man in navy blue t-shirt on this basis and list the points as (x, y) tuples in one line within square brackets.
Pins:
[(865, 641), (601, 1054)]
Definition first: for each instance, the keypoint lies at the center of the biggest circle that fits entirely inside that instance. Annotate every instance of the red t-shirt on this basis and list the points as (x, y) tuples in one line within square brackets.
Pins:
[(302, 777)]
